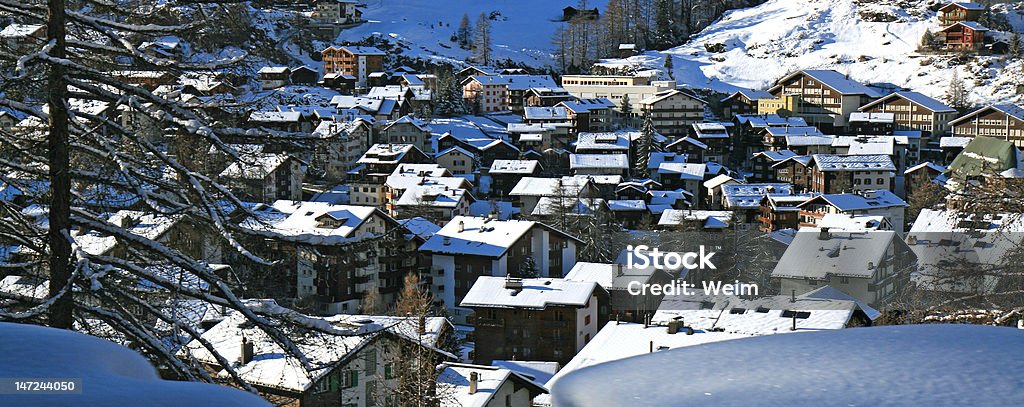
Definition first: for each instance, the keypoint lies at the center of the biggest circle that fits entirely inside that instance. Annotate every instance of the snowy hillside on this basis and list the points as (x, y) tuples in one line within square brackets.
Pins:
[(521, 30), (764, 43)]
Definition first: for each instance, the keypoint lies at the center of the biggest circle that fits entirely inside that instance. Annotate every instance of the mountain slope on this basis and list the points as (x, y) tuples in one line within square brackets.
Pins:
[(763, 43)]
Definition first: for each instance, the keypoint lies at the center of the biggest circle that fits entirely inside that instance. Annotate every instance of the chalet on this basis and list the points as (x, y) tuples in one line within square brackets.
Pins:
[(433, 201), (338, 145), (866, 203), (872, 267), (340, 82), (352, 60), (282, 121), (528, 192), (832, 173), (303, 75), (589, 115), (672, 111), (916, 177), (781, 211), (795, 170), (658, 157), (457, 160), (273, 77), (690, 148), (630, 213), (743, 102), (378, 109), (686, 176), (1004, 122), (862, 123), (22, 37), (572, 13), (598, 164), (471, 71), (373, 168), (469, 247), (409, 176), (269, 177), (494, 93), (748, 129), (615, 279), (505, 174), (174, 231), (465, 385), (744, 200), (761, 164), (962, 36), (777, 138), (357, 369), (407, 130), (824, 98), (914, 111), (960, 11), (716, 137), (545, 114), (545, 96), (543, 319)]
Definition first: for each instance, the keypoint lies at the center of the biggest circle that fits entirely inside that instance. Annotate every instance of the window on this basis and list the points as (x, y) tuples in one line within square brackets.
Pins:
[(370, 362), (881, 181), (389, 370), (349, 379), (586, 320), (844, 280)]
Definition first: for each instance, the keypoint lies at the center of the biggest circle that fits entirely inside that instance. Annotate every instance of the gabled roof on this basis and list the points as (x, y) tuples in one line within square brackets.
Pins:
[(926, 164), (609, 161), (966, 5), (564, 186), (1011, 110), (974, 25), (835, 80), (775, 156), (357, 50), (481, 236), (913, 97), (453, 381), (816, 254), (751, 94), (875, 199), (545, 113), (536, 293), (838, 162), (514, 166)]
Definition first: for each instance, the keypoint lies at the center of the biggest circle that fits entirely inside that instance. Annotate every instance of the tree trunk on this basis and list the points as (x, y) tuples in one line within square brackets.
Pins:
[(60, 177)]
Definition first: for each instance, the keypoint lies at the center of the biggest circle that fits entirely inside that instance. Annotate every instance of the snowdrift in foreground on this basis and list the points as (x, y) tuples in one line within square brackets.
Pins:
[(111, 375), (892, 365)]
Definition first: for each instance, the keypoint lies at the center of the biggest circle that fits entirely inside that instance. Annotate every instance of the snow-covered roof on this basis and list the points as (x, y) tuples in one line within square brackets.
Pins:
[(658, 157), (873, 117), (517, 82), (770, 120), (273, 70), (20, 30), (627, 205), (275, 117), (752, 94), (965, 5), (718, 180), (608, 141), (455, 149), (913, 97), (793, 130), (926, 164), (974, 25), (867, 145), (454, 378), (689, 140), (954, 141), (852, 223), (748, 196), (864, 200), (772, 370), (273, 367), (144, 224), (305, 221), (601, 161), (480, 236), (420, 170), (710, 130), (545, 113), (776, 155), (684, 170), (837, 162), (711, 219), (535, 293), (396, 92), (432, 195), (514, 166), (817, 255), (357, 50), (385, 153), (587, 105), (835, 80), (538, 371), (567, 186), (256, 168)]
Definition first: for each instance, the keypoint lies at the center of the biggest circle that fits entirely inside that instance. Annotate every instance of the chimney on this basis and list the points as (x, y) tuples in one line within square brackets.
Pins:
[(247, 351), (462, 226), (474, 381), (824, 235), (673, 327), (423, 325)]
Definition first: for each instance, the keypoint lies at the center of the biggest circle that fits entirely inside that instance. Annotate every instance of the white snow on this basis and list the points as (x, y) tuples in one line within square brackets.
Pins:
[(536, 293), (110, 374), (913, 365)]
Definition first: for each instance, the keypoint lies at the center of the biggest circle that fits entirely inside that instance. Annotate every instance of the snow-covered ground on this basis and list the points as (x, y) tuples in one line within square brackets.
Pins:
[(766, 42), (963, 365), (521, 31)]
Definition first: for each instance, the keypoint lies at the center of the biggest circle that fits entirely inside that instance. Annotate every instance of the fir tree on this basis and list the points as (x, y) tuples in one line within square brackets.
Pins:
[(644, 146), (627, 110), (1014, 49), (927, 40), (464, 36), (664, 28), (669, 66), (956, 93), (482, 40)]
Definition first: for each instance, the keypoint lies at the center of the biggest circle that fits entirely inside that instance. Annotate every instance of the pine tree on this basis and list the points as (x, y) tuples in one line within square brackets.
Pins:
[(464, 36), (627, 110), (664, 31), (449, 97), (644, 146), (1013, 51), (669, 66), (482, 40), (927, 40), (956, 93)]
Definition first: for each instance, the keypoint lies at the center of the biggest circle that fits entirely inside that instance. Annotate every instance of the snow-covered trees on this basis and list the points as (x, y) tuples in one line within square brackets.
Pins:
[(482, 40), (78, 142), (449, 97), (644, 147)]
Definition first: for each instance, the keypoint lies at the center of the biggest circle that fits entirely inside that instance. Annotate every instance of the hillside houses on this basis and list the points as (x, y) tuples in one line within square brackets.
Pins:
[(997, 121), (914, 111), (823, 98)]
